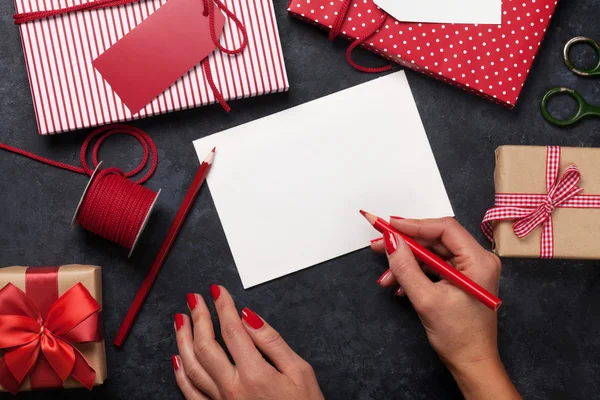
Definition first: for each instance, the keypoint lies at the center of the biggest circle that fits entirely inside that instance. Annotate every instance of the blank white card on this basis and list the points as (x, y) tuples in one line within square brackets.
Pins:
[(445, 11), (288, 187)]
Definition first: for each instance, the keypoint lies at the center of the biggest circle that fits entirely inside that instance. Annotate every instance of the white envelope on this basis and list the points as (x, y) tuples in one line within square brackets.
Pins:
[(444, 11), (288, 187)]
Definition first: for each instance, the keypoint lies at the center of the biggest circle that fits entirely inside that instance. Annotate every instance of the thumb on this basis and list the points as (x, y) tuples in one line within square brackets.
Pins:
[(406, 270)]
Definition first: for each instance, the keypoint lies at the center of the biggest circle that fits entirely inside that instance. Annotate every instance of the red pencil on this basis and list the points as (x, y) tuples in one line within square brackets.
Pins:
[(184, 208), (445, 270)]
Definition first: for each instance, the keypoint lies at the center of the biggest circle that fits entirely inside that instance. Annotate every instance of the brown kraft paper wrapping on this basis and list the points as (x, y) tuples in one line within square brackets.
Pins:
[(522, 169), (68, 276)]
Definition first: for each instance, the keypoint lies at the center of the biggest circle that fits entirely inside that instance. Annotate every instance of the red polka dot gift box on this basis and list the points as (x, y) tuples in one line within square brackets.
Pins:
[(489, 60)]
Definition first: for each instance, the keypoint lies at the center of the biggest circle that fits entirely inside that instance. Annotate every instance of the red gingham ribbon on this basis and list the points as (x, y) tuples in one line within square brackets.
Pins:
[(532, 210)]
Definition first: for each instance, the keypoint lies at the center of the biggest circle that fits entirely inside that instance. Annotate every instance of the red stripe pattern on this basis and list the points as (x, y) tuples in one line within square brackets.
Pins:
[(69, 94), (532, 210)]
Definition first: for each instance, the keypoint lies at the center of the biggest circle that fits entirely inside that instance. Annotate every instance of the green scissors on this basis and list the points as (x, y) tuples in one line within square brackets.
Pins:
[(584, 109)]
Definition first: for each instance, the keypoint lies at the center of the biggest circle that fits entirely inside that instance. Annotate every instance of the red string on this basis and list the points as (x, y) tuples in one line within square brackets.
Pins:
[(214, 88), (360, 40), (113, 207), (209, 8), (209, 11), (336, 28), (92, 5)]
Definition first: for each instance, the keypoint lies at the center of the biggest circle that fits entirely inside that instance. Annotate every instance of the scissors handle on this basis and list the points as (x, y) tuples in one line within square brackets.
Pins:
[(595, 71), (584, 109)]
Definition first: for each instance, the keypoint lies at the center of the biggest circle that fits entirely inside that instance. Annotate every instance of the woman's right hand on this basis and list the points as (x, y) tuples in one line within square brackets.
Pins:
[(460, 329)]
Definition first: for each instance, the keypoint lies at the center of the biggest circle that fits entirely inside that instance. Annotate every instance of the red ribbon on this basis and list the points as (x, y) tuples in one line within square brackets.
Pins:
[(38, 329), (532, 210)]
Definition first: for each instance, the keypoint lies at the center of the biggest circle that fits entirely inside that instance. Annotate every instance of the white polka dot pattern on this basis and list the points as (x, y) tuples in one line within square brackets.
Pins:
[(490, 60)]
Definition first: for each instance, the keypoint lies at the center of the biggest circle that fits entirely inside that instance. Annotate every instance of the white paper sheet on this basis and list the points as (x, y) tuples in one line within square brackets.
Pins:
[(444, 11), (288, 187)]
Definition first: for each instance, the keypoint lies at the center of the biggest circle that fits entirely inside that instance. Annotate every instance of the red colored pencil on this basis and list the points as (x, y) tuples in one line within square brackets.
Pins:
[(445, 270), (184, 208)]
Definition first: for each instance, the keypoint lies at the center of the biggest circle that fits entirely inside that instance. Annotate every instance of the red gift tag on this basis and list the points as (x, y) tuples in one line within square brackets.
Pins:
[(158, 52)]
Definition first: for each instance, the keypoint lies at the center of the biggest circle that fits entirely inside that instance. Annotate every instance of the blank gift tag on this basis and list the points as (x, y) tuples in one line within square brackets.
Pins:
[(445, 11), (158, 52)]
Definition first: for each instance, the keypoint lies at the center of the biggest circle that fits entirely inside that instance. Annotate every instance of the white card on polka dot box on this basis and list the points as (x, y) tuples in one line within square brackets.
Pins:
[(70, 94), (444, 11), (492, 61)]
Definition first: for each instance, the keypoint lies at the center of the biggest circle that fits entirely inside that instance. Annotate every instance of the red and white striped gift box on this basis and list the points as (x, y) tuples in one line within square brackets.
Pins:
[(69, 94)]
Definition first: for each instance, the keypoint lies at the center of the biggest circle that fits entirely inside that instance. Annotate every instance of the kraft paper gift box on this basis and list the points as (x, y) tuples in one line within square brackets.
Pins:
[(69, 93), (77, 286), (551, 197), (491, 61)]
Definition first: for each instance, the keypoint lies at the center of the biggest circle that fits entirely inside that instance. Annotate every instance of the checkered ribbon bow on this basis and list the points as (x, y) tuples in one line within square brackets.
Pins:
[(532, 210)]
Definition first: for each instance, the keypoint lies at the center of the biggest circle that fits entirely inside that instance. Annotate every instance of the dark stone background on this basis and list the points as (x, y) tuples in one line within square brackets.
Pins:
[(362, 342)]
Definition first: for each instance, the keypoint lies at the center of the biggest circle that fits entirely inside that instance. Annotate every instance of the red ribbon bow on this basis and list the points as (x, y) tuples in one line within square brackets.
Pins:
[(73, 318), (530, 210)]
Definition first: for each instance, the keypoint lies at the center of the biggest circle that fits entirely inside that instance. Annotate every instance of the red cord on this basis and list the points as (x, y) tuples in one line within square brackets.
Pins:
[(231, 16), (357, 42), (92, 5), (336, 28), (209, 11), (214, 88), (113, 207)]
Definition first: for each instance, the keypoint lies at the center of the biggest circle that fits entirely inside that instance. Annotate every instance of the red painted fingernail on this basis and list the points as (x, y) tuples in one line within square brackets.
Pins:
[(398, 291), (252, 319), (386, 273), (175, 360), (376, 240), (215, 291), (178, 321), (391, 245), (191, 300), (394, 217)]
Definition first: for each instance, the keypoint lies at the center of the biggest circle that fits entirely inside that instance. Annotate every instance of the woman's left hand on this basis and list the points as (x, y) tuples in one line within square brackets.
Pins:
[(203, 370)]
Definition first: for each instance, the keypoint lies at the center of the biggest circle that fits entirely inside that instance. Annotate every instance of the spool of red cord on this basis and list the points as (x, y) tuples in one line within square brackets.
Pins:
[(112, 206), (115, 207)]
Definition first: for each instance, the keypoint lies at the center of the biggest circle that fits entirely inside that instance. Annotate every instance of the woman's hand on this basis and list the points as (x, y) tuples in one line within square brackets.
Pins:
[(460, 329), (203, 370)]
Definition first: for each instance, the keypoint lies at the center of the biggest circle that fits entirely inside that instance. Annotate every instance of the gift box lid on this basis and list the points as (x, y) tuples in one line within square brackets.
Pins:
[(70, 94)]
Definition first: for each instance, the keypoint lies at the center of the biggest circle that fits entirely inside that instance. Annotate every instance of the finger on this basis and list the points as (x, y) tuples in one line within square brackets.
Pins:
[(207, 351), (435, 245), (387, 279), (451, 234), (185, 384), (185, 344), (377, 245), (240, 345), (406, 270), (270, 343)]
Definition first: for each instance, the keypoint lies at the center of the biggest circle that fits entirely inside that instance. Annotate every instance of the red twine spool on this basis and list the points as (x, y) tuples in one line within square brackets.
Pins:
[(112, 206)]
